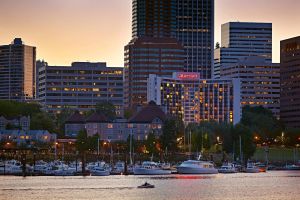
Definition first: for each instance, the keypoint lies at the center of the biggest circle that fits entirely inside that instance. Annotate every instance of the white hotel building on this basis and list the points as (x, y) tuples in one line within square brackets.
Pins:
[(194, 99)]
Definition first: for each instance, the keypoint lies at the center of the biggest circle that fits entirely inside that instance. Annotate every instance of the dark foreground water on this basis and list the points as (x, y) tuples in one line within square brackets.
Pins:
[(275, 185)]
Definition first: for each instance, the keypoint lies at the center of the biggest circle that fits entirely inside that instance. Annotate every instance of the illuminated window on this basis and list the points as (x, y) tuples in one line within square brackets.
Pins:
[(110, 126)]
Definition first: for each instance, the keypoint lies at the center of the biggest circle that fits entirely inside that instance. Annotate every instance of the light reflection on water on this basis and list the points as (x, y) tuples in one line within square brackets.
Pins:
[(265, 186)]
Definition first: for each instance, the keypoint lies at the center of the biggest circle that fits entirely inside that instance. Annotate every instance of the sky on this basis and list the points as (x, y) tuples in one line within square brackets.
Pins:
[(65, 31)]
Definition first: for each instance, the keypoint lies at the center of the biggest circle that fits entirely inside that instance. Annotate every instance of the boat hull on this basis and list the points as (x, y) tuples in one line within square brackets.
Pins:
[(143, 171), (227, 171), (193, 170), (100, 173), (252, 170)]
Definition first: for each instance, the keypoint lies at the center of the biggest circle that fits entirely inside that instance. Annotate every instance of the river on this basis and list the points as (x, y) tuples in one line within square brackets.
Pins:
[(281, 185)]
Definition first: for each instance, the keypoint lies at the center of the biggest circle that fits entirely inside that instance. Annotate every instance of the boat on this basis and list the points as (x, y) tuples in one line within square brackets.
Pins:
[(146, 185), (13, 167), (119, 168), (196, 167), (100, 171), (292, 167), (227, 168), (150, 168), (252, 168), (262, 167)]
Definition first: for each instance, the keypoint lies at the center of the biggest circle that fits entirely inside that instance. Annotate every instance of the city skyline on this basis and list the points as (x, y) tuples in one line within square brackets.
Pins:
[(81, 29)]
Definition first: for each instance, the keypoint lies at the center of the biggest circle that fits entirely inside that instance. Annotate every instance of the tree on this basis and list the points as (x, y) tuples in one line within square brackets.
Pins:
[(41, 121), (128, 113), (14, 108), (82, 146), (169, 135), (262, 122), (61, 118), (217, 45), (243, 133), (85, 143), (151, 143), (106, 108)]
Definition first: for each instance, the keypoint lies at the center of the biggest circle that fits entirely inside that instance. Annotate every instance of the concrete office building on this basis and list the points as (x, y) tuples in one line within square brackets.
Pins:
[(194, 99), (17, 71), (290, 82), (80, 86), (260, 82), (145, 56), (243, 39)]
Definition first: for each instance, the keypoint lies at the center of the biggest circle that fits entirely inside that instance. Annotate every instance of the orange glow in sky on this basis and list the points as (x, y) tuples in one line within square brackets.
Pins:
[(97, 30)]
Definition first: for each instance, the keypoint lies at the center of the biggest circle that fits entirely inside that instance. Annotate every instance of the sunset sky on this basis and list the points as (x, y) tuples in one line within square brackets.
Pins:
[(97, 30)]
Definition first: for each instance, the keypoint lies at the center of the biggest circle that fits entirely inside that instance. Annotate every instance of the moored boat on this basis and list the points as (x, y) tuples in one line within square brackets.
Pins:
[(150, 168), (227, 168), (252, 168), (196, 167)]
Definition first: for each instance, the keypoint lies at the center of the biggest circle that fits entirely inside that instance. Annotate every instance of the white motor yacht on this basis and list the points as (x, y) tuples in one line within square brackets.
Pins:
[(227, 168), (252, 168), (100, 171), (13, 167), (150, 168), (196, 167), (119, 168), (99, 168)]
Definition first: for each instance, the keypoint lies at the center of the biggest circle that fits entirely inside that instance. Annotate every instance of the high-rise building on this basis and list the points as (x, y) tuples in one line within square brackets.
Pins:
[(156, 18), (145, 56), (183, 28), (195, 100), (195, 30), (243, 39), (260, 82), (17, 71), (190, 21), (290, 82), (80, 86)]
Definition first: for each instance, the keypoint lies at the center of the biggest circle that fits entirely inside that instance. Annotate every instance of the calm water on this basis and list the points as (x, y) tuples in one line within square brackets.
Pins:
[(267, 186)]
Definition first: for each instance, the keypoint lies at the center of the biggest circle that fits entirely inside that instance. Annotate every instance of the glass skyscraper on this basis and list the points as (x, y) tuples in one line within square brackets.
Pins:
[(153, 18), (195, 31), (191, 22), (175, 35)]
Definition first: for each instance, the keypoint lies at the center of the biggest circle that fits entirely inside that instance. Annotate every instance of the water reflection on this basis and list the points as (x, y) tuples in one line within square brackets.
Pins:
[(263, 186)]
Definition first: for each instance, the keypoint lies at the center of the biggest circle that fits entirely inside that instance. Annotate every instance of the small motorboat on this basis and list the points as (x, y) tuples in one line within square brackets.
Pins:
[(146, 185), (227, 168), (252, 168)]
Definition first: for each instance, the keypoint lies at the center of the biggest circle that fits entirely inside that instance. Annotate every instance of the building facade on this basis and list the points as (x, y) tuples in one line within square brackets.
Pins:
[(290, 82), (17, 71), (195, 31), (260, 82), (27, 137), (153, 18), (243, 39), (149, 119), (21, 123), (191, 22), (80, 86), (145, 56), (194, 99)]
